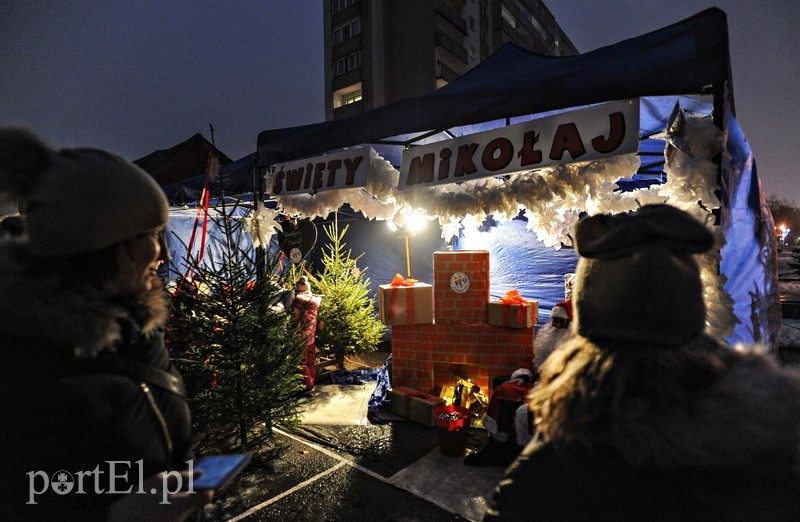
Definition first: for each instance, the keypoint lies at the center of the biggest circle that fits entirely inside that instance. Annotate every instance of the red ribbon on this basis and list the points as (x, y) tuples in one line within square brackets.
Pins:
[(395, 310), (507, 315), (407, 404), (400, 282)]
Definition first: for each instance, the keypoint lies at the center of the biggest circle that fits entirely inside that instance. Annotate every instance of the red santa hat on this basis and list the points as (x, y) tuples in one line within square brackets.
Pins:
[(562, 310)]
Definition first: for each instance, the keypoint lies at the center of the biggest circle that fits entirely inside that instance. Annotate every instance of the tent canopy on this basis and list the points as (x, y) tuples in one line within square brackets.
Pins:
[(235, 177), (183, 161), (684, 58)]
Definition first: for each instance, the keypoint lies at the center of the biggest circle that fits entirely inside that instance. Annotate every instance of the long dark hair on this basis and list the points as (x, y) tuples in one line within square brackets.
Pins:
[(598, 397)]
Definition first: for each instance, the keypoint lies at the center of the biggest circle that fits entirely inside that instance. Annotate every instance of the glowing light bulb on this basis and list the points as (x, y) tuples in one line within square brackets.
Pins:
[(416, 222)]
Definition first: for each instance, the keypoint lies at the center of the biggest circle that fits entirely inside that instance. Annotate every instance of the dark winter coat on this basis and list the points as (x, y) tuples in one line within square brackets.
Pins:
[(84, 379), (729, 453), (573, 484)]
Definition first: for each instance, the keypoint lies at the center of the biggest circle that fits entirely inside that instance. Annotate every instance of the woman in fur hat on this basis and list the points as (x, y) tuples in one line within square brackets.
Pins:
[(641, 415), (92, 404)]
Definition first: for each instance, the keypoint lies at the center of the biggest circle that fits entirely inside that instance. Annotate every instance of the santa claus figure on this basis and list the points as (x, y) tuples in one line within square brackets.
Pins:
[(551, 334), (304, 313), (507, 419)]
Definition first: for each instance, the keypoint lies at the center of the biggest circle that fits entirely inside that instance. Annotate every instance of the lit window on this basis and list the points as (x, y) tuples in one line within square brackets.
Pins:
[(352, 98), (347, 95)]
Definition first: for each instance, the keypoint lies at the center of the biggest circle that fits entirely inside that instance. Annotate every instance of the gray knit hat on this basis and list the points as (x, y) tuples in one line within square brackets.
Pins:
[(77, 200), (636, 281)]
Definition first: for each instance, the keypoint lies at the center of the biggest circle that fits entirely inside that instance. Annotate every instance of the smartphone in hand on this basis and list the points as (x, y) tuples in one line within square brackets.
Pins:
[(218, 470)]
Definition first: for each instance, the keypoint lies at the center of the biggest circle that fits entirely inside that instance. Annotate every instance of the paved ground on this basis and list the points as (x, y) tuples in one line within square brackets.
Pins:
[(356, 476), (388, 471)]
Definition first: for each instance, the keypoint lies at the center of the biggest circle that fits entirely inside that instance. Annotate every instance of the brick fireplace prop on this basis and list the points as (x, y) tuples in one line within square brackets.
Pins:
[(460, 340), (424, 356)]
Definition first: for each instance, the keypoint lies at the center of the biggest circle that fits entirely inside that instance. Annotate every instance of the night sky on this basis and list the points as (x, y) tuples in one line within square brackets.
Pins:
[(134, 77)]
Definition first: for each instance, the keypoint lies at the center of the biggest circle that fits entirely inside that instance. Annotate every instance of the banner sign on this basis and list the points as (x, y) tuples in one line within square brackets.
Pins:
[(596, 132), (347, 169)]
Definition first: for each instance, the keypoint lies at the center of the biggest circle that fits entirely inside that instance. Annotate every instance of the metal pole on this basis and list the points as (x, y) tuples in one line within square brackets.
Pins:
[(408, 258)]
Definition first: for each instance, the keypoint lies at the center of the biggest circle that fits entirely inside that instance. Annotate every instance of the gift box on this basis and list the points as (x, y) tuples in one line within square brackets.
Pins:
[(523, 315), (406, 304), (413, 404), (461, 286)]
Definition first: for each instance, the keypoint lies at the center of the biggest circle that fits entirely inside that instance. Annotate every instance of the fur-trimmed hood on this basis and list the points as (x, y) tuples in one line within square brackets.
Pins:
[(37, 309), (708, 406)]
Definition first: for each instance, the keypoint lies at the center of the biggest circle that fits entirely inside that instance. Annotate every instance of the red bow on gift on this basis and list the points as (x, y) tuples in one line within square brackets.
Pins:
[(402, 281), (513, 297)]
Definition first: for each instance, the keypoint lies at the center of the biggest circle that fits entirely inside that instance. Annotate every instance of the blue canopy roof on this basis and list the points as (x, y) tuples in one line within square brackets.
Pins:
[(684, 58)]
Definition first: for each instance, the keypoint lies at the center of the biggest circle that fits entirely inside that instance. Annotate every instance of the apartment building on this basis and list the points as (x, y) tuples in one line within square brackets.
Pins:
[(380, 51)]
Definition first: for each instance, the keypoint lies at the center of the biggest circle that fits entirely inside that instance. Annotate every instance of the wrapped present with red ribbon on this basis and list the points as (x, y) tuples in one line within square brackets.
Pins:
[(513, 311), (405, 301), (413, 404)]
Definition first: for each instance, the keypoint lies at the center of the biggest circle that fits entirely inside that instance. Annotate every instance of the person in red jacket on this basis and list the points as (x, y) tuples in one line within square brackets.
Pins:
[(508, 427)]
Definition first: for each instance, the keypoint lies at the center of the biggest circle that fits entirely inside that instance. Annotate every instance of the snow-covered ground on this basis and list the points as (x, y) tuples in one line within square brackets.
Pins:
[(790, 334), (789, 283)]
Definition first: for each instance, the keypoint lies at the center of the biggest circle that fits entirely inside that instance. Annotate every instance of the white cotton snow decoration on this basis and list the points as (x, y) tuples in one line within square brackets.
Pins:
[(262, 225), (382, 178), (691, 183), (692, 178), (552, 191), (312, 206), (450, 229)]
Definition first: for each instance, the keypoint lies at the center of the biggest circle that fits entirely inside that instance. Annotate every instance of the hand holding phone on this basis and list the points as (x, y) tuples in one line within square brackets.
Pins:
[(218, 470)]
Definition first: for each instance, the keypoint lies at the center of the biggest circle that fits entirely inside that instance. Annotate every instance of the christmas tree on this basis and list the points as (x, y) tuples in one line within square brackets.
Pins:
[(232, 340), (347, 310)]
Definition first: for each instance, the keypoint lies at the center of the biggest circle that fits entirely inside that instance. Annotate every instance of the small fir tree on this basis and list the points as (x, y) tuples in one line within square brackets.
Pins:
[(236, 348), (347, 310)]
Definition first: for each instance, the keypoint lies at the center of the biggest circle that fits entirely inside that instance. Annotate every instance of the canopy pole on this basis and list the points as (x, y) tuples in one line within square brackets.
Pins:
[(719, 91), (258, 181)]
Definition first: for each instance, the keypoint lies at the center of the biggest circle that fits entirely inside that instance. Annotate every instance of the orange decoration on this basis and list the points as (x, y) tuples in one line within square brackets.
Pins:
[(513, 297), (399, 280)]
